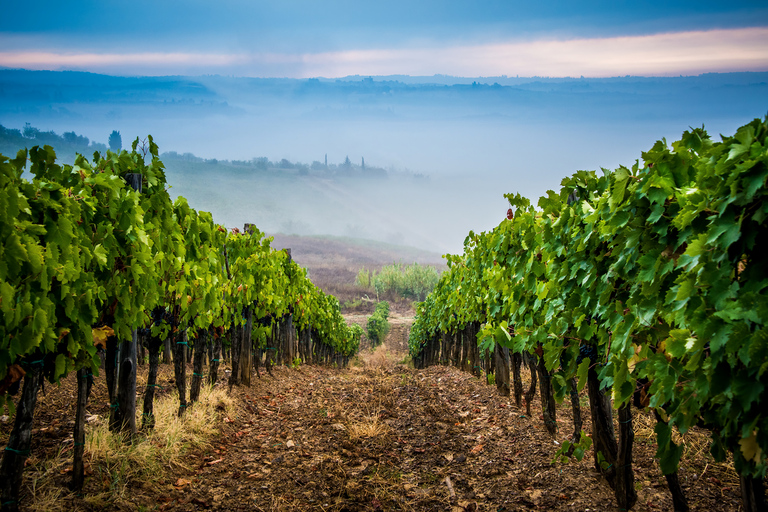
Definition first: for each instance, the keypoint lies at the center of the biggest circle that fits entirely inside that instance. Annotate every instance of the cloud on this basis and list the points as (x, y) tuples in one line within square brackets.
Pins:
[(692, 52), (96, 61), (659, 54)]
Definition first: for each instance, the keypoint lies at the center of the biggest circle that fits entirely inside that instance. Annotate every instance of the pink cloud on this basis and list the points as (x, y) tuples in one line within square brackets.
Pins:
[(658, 54), (678, 53)]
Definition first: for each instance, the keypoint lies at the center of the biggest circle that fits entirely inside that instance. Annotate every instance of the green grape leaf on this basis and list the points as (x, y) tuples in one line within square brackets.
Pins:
[(101, 255), (61, 366), (582, 372)]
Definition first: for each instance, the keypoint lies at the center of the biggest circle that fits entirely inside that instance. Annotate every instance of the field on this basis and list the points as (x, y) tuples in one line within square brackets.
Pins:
[(333, 263), (377, 436)]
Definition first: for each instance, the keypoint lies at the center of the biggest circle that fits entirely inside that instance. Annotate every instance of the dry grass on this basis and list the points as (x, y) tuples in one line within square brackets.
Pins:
[(367, 428), (360, 416), (378, 358), (696, 443), (115, 462)]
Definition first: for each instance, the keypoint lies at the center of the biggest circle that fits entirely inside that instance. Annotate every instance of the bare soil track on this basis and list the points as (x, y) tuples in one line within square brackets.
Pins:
[(383, 436)]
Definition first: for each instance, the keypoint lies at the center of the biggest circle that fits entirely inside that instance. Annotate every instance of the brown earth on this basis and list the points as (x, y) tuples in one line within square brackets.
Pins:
[(377, 436)]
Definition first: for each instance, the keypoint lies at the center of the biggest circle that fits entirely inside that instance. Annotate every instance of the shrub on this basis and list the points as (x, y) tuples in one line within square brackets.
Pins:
[(382, 308), (378, 326), (410, 281), (364, 278)]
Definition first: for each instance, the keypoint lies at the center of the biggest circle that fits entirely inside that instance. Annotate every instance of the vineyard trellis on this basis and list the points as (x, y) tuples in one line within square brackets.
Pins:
[(646, 284), (91, 265)]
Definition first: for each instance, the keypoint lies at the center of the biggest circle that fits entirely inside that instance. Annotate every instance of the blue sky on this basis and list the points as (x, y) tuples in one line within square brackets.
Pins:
[(298, 38)]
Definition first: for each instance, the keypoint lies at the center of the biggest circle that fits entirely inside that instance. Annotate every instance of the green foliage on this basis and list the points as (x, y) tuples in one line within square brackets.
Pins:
[(365, 278), (352, 304), (658, 267), (82, 253), (382, 309), (575, 450), (378, 325), (355, 334)]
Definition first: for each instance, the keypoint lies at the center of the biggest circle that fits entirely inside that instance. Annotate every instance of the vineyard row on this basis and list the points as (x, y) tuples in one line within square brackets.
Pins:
[(647, 285), (95, 256)]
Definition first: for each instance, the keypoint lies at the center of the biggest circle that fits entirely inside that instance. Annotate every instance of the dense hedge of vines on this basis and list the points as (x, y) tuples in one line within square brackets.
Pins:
[(92, 253), (654, 276)]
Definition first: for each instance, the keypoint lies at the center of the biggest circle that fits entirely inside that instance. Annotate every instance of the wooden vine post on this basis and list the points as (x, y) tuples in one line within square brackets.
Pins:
[(111, 372), (547, 394), (125, 410), (201, 345), (501, 363), (153, 348), (124, 417), (84, 382), (534, 381), (235, 343), (679, 500), (246, 348), (167, 351), (576, 408), (180, 367), (753, 494), (215, 356), (517, 363), (603, 436), (626, 496), (17, 450)]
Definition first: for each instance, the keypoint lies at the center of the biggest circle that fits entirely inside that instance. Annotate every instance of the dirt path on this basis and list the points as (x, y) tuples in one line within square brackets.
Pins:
[(383, 436)]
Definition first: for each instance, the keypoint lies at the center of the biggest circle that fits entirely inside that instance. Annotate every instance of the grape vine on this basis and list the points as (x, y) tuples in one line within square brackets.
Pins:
[(87, 262), (653, 276)]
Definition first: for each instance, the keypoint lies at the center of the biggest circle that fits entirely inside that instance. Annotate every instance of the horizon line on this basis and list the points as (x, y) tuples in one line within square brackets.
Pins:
[(385, 76)]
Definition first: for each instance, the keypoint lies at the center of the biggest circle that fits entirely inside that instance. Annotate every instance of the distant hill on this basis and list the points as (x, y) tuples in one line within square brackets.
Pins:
[(348, 157), (335, 251)]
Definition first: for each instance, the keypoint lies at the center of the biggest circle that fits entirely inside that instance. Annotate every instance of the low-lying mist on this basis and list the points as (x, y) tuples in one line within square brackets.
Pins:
[(432, 213), (450, 147)]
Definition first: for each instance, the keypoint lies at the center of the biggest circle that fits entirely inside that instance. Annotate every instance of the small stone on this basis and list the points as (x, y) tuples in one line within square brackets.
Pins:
[(290, 444)]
